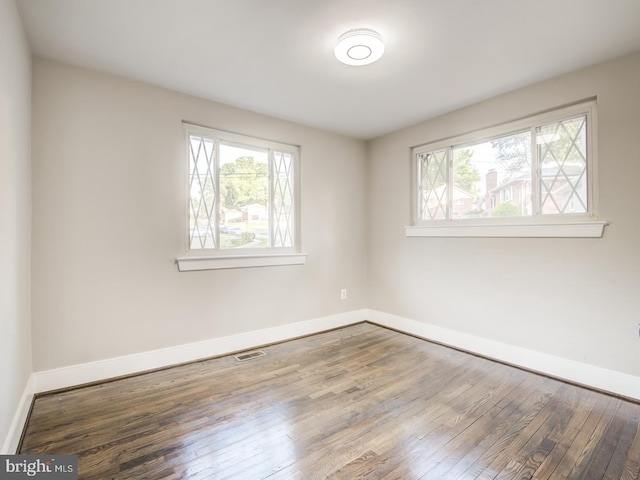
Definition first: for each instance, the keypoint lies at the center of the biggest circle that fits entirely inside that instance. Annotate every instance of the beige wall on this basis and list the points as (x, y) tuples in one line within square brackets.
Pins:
[(109, 179), (15, 213), (575, 298)]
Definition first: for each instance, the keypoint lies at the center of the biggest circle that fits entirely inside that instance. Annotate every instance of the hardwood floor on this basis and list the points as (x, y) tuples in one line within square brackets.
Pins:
[(355, 403)]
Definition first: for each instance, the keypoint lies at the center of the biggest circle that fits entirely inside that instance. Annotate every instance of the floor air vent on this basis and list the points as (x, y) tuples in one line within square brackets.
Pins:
[(243, 357)]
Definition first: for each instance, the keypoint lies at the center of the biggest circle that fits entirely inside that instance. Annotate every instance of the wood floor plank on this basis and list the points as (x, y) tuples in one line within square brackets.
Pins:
[(563, 437), (469, 463), (460, 429), (538, 447), (486, 428), (631, 468), (630, 419), (592, 461), (361, 402), (501, 453)]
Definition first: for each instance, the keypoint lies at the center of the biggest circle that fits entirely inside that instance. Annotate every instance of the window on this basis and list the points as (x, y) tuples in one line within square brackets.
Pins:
[(506, 194), (531, 177), (242, 205)]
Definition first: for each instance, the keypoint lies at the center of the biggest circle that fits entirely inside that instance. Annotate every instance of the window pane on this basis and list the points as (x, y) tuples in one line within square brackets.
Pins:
[(202, 193), (283, 199), (493, 178), (244, 197), (562, 149), (432, 193)]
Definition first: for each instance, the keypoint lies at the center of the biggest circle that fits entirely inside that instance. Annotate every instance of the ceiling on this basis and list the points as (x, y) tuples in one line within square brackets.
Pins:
[(276, 56)]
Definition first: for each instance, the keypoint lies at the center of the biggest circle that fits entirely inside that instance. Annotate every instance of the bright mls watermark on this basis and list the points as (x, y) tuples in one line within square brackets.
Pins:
[(50, 467)]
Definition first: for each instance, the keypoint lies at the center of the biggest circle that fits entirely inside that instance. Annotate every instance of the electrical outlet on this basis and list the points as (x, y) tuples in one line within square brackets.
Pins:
[(343, 294)]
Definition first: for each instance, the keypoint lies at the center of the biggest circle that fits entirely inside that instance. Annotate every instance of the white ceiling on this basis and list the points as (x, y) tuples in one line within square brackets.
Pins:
[(276, 56)]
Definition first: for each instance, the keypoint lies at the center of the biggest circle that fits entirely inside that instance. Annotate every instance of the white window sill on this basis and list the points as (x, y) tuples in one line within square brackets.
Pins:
[(589, 229), (189, 264)]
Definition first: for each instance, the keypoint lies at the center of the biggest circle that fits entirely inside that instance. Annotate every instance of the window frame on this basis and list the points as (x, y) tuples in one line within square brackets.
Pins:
[(585, 224), (219, 258)]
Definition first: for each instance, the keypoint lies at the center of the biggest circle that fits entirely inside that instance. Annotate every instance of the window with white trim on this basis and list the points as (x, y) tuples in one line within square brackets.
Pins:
[(533, 172), (242, 199)]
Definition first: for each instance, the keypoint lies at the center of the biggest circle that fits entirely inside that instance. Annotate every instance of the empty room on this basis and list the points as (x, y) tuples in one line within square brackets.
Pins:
[(299, 239)]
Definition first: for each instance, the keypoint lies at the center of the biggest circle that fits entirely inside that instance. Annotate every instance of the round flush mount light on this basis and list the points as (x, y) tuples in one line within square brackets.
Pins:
[(359, 47)]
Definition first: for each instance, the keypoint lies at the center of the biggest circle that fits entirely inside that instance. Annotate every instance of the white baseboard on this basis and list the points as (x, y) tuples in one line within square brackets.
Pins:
[(10, 445), (115, 367), (581, 373)]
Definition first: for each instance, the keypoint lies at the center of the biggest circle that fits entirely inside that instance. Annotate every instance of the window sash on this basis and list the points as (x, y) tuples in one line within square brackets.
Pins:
[(218, 137), (530, 124)]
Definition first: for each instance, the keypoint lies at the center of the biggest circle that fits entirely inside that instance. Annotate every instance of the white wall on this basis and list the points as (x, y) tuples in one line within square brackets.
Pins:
[(15, 214), (573, 298), (109, 198)]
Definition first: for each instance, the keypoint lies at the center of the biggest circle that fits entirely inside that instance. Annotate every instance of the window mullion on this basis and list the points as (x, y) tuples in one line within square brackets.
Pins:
[(417, 187), (270, 195), (591, 163), (449, 154), (535, 174), (217, 201)]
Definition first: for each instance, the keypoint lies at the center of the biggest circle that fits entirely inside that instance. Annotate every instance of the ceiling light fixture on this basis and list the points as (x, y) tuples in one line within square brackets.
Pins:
[(360, 46)]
